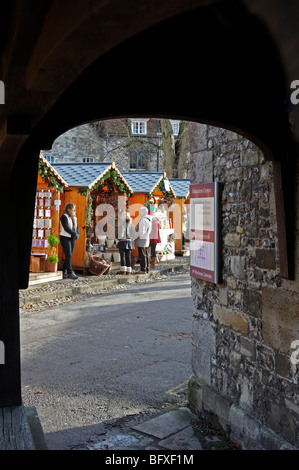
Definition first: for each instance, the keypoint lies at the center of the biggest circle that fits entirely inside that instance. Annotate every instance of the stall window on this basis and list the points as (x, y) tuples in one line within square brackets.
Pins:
[(87, 159)]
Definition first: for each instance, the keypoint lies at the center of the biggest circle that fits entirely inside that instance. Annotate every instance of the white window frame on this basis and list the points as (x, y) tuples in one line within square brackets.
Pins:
[(175, 127), (139, 126), (87, 160)]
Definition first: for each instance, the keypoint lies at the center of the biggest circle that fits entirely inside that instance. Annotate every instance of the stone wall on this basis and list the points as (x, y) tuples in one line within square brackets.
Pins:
[(243, 328), (76, 144)]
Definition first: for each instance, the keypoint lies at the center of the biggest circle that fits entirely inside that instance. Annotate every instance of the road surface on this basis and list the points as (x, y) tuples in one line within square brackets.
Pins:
[(89, 365)]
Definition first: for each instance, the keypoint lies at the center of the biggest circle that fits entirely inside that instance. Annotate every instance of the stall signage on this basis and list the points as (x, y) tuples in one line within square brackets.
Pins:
[(204, 231)]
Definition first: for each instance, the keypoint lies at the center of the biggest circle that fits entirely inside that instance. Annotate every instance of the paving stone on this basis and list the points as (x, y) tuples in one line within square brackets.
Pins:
[(166, 424), (183, 440)]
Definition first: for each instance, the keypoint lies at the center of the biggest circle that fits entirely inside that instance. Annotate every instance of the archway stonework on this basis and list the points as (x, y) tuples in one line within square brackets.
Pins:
[(62, 70)]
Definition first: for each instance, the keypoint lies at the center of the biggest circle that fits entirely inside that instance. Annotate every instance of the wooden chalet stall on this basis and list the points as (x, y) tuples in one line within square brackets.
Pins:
[(153, 184), (182, 188), (49, 193), (90, 185)]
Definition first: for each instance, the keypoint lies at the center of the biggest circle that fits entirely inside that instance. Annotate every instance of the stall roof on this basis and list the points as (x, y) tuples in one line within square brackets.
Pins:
[(57, 175), (145, 182), (181, 187), (86, 175)]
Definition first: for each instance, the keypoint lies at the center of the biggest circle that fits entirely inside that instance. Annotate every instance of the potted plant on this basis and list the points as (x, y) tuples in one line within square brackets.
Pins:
[(52, 263), (52, 260)]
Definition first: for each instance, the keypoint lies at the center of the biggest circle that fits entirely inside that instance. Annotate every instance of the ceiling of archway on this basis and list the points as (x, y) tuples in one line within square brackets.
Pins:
[(65, 63)]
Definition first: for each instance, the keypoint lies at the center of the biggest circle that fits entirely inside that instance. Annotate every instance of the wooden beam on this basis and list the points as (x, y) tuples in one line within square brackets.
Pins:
[(10, 382), (284, 201)]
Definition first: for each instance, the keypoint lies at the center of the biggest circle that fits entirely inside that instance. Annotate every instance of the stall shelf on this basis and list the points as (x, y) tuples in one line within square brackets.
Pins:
[(49, 192)]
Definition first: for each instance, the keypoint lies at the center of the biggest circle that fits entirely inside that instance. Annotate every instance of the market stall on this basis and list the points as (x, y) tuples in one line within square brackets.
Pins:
[(95, 189), (154, 185), (181, 188), (49, 192)]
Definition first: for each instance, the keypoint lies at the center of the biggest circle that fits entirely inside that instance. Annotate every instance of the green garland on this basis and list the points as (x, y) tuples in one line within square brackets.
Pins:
[(167, 194), (112, 180), (49, 177)]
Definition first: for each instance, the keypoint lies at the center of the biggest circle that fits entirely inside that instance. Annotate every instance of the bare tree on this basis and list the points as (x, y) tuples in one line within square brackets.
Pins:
[(176, 152), (168, 147), (183, 150)]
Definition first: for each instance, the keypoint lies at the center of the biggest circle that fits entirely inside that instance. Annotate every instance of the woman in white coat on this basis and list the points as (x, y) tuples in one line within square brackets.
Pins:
[(126, 236), (69, 233)]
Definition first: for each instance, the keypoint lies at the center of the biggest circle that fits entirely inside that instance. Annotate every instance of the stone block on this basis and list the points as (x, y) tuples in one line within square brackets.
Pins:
[(270, 440), (252, 303), (232, 240), (230, 318), (280, 320), (223, 296), (238, 266), (195, 389), (249, 157), (245, 423), (281, 422), (246, 191), (247, 348), (216, 403), (266, 259), (201, 364), (204, 336), (282, 365), (246, 397)]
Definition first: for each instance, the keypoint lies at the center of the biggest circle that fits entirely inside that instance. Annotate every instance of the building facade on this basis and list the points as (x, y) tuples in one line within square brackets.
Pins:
[(133, 144)]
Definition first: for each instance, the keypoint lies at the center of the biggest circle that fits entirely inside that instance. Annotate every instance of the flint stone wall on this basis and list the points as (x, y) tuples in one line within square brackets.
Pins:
[(243, 328)]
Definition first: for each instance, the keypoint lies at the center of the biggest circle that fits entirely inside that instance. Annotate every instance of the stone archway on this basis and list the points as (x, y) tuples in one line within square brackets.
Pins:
[(58, 90)]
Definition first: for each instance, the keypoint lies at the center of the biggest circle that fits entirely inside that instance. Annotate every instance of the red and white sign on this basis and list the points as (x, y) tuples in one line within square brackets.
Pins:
[(204, 242)]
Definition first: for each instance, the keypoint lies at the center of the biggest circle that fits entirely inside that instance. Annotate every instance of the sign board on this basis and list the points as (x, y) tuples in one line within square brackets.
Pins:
[(204, 231)]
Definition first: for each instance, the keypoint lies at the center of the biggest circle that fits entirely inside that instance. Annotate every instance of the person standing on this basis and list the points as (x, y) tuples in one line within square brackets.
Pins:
[(69, 233), (154, 240), (142, 242), (126, 236)]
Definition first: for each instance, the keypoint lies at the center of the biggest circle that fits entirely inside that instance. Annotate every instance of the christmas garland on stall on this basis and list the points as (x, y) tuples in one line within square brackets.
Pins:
[(105, 187), (49, 177), (167, 194)]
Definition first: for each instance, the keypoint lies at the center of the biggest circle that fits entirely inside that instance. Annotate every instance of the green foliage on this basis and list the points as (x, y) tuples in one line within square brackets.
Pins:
[(112, 180), (53, 240), (53, 259), (49, 177), (167, 194)]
